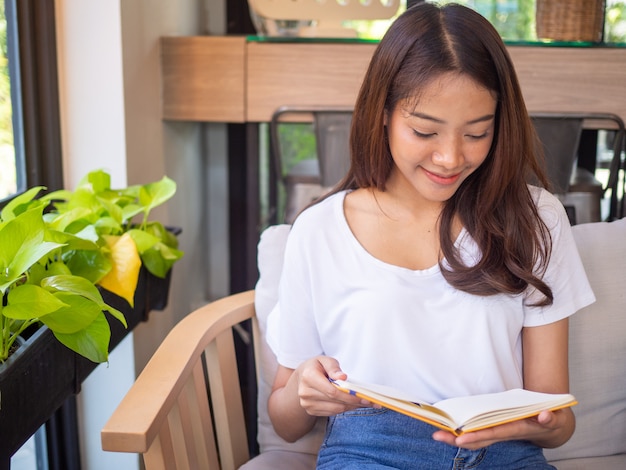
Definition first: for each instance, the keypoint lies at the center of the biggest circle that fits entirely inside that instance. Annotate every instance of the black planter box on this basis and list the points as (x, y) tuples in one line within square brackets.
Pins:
[(38, 378), (34, 383)]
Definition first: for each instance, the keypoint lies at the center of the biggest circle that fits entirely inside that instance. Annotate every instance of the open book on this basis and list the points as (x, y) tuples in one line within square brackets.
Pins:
[(464, 414)]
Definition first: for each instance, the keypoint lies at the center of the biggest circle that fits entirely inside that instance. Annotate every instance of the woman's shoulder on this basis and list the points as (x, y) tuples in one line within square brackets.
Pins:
[(325, 208), (317, 226), (321, 216), (541, 196), (550, 208)]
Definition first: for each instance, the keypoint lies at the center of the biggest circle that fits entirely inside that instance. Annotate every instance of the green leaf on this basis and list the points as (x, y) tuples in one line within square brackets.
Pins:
[(118, 315), (85, 199), (143, 240), (100, 180), (131, 192), (131, 210), (115, 211), (20, 203), (91, 342), (60, 194), (158, 230), (160, 258), (89, 233), (38, 272), (58, 268), (157, 248), (92, 265), (108, 226), (86, 239), (28, 302), (79, 313), (170, 239), (22, 243), (154, 194), (75, 285), (62, 221)]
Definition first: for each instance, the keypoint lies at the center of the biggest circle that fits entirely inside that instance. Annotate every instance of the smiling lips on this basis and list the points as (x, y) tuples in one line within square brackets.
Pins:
[(443, 180)]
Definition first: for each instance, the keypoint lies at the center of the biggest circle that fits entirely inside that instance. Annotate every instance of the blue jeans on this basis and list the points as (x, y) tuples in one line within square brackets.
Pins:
[(370, 438)]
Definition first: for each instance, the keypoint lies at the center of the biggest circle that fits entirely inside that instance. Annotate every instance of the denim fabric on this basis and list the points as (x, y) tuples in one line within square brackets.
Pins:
[(370, 438)]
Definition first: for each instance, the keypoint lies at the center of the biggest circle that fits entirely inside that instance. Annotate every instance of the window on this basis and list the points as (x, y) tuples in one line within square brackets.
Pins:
[(30, 142), (514, 19), (12, 178)]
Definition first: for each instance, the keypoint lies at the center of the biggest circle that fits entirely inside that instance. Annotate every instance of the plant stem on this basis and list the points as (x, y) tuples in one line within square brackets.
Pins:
[(7, 339), (5, 330)]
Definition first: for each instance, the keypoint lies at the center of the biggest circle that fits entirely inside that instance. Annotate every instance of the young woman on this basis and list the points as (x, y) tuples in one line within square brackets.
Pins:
[(434, 268)]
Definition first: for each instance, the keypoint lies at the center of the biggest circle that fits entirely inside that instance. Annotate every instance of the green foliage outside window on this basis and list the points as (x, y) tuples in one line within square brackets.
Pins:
[(615, 22), (7, 151), (514, 19)]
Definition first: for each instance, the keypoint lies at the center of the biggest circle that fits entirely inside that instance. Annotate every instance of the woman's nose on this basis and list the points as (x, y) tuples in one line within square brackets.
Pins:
[(449, 154)]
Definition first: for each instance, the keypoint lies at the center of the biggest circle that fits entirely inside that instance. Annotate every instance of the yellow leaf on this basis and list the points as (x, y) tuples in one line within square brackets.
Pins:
[(122, 279)]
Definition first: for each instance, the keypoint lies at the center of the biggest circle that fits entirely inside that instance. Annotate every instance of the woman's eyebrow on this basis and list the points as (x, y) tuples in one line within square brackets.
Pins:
[(485, 118)]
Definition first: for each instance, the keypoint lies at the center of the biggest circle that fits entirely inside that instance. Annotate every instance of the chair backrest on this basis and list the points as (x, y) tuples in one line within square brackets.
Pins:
[(332, 133), (560, 133), (185, 410), (311, 178), (560, 136)]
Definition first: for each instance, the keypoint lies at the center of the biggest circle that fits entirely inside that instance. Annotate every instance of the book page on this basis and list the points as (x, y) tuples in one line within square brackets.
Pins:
[(398, 401), (502, 406)]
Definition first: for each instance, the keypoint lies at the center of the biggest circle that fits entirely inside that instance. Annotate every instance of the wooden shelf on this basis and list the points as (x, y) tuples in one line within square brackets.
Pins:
[(203, 78), (230, 79)]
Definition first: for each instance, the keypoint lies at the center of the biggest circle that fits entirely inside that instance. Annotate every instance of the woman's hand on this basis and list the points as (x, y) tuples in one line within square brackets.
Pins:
[(548, 429), (317, 395), (301, 395)]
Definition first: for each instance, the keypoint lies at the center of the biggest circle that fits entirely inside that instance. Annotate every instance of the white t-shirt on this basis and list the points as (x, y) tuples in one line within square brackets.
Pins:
[(408, 329)]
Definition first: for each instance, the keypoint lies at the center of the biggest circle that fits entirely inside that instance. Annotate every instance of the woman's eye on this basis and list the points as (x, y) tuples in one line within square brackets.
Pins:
[(423, 135), (477, 136)]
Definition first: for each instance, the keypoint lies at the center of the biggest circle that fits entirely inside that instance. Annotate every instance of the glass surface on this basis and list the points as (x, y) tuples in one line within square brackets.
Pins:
[(11, 159), (514, 20), (545, 43), (7, 152)]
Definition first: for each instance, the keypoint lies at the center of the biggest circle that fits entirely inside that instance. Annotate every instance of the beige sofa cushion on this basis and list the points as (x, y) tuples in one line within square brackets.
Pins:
[(598, 348), (270, 261)]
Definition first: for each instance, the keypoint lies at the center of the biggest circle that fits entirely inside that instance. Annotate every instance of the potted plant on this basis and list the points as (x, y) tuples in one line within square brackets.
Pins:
[(70, 264), (52, 262)]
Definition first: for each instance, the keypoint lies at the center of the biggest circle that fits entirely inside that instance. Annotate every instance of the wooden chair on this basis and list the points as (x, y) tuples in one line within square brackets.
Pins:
[(185, 409)]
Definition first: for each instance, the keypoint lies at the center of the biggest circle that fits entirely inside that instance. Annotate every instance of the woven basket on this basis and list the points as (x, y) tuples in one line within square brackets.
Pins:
[(570, 20)]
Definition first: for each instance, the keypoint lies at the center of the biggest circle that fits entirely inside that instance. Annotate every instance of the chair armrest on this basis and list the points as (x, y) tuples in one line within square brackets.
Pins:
[(163, 398)]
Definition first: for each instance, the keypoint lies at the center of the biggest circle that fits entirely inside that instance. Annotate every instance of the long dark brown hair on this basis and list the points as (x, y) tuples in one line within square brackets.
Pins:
[(494, 203)]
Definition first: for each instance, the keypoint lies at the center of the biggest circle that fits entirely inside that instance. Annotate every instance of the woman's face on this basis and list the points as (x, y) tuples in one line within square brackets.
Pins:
[(440, 139)]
